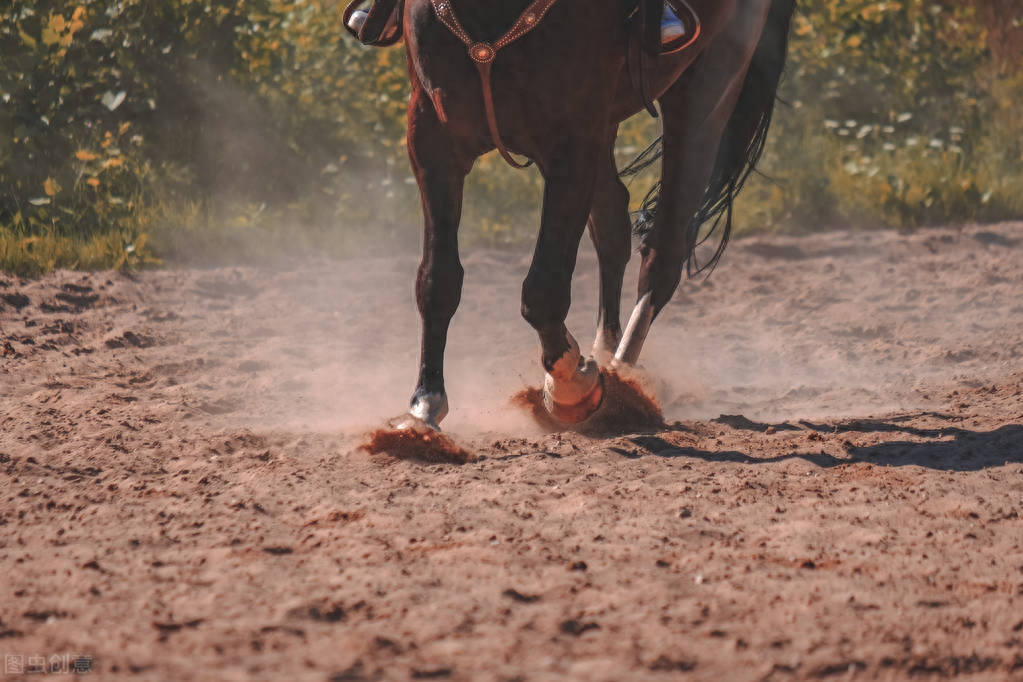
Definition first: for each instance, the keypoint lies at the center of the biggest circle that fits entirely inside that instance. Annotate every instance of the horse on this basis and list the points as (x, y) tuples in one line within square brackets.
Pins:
[(551, 81)]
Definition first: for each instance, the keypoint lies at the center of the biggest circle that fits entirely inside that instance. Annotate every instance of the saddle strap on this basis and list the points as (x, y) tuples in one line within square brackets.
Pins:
[(483, 54)]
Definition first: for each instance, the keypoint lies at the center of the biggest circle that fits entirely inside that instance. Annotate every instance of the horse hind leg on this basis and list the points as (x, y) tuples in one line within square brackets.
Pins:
[(573, 387), (611, 233), (696, 111)]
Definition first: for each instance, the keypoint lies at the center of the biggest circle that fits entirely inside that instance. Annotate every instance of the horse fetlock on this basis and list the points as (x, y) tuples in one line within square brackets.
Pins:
[(565, 367), (576, 397), (430, 408)]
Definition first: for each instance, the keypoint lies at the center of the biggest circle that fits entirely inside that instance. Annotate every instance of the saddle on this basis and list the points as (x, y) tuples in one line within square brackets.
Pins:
[(383, 25)]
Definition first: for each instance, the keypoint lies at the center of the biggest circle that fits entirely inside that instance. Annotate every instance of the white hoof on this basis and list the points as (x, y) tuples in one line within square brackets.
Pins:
[(408, 422), (430, 409), (575, 398)]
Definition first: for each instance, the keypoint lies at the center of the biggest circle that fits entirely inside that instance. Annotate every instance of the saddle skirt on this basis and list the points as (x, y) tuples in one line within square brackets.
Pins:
[(660, 29)]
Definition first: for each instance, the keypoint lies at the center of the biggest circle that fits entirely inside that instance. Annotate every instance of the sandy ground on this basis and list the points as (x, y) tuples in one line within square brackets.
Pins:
[(837, 494)]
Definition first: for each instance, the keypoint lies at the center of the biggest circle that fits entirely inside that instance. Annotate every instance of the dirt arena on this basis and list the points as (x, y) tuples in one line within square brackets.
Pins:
[(837, 493)]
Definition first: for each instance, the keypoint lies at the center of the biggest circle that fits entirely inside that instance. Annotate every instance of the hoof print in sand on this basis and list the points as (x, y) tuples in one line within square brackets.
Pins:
[(627, 406), (130, 338), (416, 442)]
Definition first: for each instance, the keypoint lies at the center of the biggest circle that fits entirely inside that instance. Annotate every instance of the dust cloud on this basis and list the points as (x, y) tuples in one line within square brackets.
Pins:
[(790, 328)]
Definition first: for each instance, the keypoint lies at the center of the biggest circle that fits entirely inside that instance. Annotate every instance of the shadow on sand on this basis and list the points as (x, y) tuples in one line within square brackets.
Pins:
[(958, 450)]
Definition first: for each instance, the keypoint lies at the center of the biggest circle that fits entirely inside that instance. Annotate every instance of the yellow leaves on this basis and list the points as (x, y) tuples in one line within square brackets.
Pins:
[(854, 41), (58, 31), (77, 20), (84, 155), (51, 32), (115, 162), (92, 182), (26, 38), (876, 11), (50, 187)]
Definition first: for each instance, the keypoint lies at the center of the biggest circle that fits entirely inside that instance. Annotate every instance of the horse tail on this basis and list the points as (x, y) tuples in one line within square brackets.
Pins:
[(742, 143)]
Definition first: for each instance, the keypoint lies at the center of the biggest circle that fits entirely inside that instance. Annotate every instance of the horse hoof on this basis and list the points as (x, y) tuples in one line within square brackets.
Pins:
[(576, 400), (429, 408), (410, 422)]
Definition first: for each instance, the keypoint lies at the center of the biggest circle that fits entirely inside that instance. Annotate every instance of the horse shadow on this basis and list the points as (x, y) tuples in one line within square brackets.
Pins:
[(966, 451)]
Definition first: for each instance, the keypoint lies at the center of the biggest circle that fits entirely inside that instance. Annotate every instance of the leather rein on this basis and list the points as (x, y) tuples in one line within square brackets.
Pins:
[(483, 54)]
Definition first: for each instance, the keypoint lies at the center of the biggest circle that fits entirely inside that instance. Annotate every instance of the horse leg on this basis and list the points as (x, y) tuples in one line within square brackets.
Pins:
[(440, 175), (611, 232), (573, 388), (695, 111)]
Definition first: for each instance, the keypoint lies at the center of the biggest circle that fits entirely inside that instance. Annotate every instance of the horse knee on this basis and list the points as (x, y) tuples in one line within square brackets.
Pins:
[(439, 287), (610, 226), (541, 312), (545, 301)]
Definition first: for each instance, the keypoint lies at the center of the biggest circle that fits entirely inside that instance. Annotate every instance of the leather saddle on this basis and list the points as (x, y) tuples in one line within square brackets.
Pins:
[(382, 25)]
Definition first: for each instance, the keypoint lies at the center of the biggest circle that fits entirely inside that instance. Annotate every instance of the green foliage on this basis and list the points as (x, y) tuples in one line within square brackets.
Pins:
[(899, 115), (130, 128)]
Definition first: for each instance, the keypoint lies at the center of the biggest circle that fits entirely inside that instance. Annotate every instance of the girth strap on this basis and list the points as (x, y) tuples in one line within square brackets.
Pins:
[(483, 54)]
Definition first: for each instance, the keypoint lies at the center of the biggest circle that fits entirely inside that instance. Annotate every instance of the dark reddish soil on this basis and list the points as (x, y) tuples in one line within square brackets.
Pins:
[(836, 492)]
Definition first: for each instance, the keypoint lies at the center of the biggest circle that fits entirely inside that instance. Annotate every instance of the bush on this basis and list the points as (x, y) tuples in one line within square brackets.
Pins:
[(901, 113), (175, 127)]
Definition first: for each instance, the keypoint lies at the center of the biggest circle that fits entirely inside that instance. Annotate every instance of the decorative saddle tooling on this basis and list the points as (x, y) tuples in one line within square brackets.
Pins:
[(659, 33)]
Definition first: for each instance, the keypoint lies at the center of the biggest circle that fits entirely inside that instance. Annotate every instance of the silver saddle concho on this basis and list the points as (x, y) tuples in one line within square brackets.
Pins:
[(672, 27)]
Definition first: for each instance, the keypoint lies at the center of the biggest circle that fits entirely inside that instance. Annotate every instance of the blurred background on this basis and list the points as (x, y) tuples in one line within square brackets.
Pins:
[(136, 132)]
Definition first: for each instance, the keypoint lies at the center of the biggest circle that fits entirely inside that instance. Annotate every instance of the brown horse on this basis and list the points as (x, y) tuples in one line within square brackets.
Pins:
[(559, 93)]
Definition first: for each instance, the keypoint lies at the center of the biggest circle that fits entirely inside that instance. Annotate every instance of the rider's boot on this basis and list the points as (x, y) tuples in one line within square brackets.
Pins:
[(672, 27), (358, 20)]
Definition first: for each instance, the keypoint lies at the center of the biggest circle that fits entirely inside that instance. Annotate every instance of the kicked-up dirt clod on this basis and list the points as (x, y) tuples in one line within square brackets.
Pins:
[(626, 407), (414, 444)]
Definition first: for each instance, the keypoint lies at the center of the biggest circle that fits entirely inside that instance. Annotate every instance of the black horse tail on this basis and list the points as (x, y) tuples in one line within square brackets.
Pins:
[(742, 143)]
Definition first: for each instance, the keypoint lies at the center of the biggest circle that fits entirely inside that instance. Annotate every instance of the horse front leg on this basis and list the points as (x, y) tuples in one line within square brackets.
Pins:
[(440, 174), (573, 388)]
